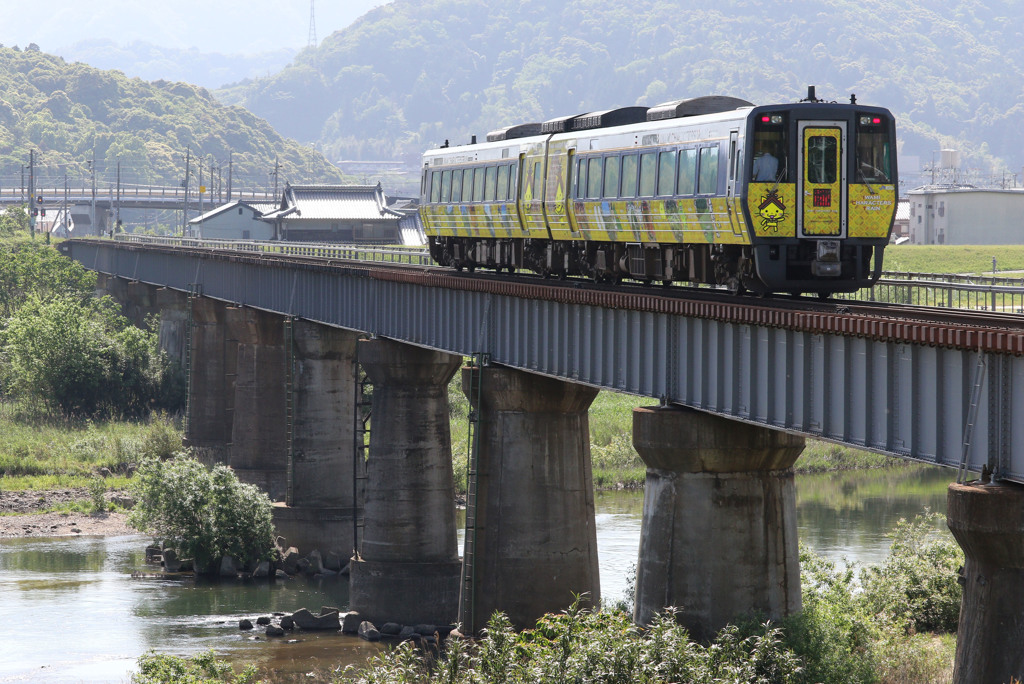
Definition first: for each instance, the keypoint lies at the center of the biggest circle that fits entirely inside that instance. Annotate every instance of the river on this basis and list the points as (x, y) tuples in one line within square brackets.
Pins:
[(72, 612)]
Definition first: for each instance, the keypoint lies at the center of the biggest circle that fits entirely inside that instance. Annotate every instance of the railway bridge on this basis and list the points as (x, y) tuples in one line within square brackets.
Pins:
[(273, 338)]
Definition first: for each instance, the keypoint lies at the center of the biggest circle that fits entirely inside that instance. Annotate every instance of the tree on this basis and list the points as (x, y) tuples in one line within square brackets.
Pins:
[(203, 514), (82, 358)]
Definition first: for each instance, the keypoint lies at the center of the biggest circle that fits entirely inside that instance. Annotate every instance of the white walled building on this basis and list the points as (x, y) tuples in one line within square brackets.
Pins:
[(950, 215), (237, 220)]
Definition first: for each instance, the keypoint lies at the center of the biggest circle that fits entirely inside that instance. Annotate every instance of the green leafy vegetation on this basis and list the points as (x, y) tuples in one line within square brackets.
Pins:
[(203, 513), (72, 114), (203, 668)]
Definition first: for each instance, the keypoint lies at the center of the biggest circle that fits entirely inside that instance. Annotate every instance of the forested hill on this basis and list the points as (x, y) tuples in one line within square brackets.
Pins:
[(72, 113), (415, 72)]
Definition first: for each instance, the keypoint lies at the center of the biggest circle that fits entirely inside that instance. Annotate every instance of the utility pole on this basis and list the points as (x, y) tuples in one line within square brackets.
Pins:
[(184, 222), (312, 42), (199, 161), (117, 215), (277, 169), (230, 163), (32, 193)]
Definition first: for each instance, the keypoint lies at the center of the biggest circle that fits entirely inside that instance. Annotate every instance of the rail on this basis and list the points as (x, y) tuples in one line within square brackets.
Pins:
[(952, 291)]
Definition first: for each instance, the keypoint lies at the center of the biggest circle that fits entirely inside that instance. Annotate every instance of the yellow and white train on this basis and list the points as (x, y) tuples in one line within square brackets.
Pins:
[(779, 198)]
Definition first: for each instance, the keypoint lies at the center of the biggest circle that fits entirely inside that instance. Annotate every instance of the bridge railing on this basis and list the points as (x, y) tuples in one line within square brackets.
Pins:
[(950, 291), (954, 291), (379, 253)]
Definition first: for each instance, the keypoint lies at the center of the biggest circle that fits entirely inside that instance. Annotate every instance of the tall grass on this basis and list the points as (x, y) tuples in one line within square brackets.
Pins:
[(67, 453)]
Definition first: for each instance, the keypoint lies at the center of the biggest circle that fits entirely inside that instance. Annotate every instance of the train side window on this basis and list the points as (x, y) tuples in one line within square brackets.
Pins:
[(490, 184), (687, 172), (478, 184), (503, 182), (629, 169), (446, 185), (457, 185), (513, 182), (707, 183), (666, 172), (538, 181), (580, 191), (595, 174), (648, 173), (435, 186), (611, 176)]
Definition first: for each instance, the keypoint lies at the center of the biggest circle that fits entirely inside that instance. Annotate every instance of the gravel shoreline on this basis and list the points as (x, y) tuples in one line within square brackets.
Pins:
[(21, 516)]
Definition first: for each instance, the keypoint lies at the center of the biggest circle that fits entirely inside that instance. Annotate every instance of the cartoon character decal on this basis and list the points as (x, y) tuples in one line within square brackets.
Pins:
[(771, 210)]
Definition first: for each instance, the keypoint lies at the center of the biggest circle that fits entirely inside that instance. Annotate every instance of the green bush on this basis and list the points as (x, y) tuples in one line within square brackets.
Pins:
[(84, 359), (202, 513), (917, 586), (203, 668)]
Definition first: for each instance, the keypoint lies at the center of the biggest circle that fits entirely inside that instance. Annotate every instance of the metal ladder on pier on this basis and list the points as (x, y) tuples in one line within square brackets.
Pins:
[(468, 596), (972, 416), (289, 404), (195, 291), (362, 412)]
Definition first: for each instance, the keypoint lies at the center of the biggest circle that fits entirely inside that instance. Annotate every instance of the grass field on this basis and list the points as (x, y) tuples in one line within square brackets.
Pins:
[(970, 259)]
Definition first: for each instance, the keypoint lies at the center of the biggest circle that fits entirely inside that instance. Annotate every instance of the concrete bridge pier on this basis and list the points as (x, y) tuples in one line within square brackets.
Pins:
[(718, 537), (988, 524), (259, 449), (173, 332), (406, 569), (536, 540), (211, 388), (320, 507)]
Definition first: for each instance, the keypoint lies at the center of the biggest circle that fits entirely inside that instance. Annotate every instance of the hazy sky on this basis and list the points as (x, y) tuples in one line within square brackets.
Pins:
[(225, 26)]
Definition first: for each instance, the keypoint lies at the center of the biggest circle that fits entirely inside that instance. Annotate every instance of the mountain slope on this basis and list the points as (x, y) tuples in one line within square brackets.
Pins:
[(411, 74), (70, 114)]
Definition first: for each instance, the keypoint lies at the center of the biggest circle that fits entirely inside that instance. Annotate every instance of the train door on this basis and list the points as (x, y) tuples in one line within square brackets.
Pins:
[(731, 203), (821, 181)]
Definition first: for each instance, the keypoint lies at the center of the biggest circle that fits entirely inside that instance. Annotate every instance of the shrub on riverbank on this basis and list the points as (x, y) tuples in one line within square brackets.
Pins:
[(202, 513)]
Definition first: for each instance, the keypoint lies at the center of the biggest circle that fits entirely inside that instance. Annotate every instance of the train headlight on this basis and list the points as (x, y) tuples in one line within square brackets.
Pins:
[(870, 120), (771, 118)]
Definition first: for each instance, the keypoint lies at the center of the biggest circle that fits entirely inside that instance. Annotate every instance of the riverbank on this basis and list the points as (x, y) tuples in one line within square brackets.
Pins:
[(30, 513)]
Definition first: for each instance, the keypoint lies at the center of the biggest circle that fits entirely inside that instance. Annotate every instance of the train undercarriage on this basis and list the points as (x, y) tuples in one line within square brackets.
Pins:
[(795, 268)]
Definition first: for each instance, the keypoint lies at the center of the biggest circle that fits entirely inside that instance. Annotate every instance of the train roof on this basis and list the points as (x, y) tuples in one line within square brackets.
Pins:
[(708, 109)]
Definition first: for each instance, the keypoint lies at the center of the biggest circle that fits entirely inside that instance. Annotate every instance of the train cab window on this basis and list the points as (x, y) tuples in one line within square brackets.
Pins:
[(503, 182), (687, 172), (595, 174), (457, 185), (666, 172), (611, 177), (769, 161), (648, 173), (435, 186), (707, 182), (446, 185), (478, 184), (874, 151), (491, 183), (629, 168)]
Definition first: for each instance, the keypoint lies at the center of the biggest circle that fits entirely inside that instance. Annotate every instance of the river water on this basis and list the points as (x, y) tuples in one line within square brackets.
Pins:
[(72, 612)]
